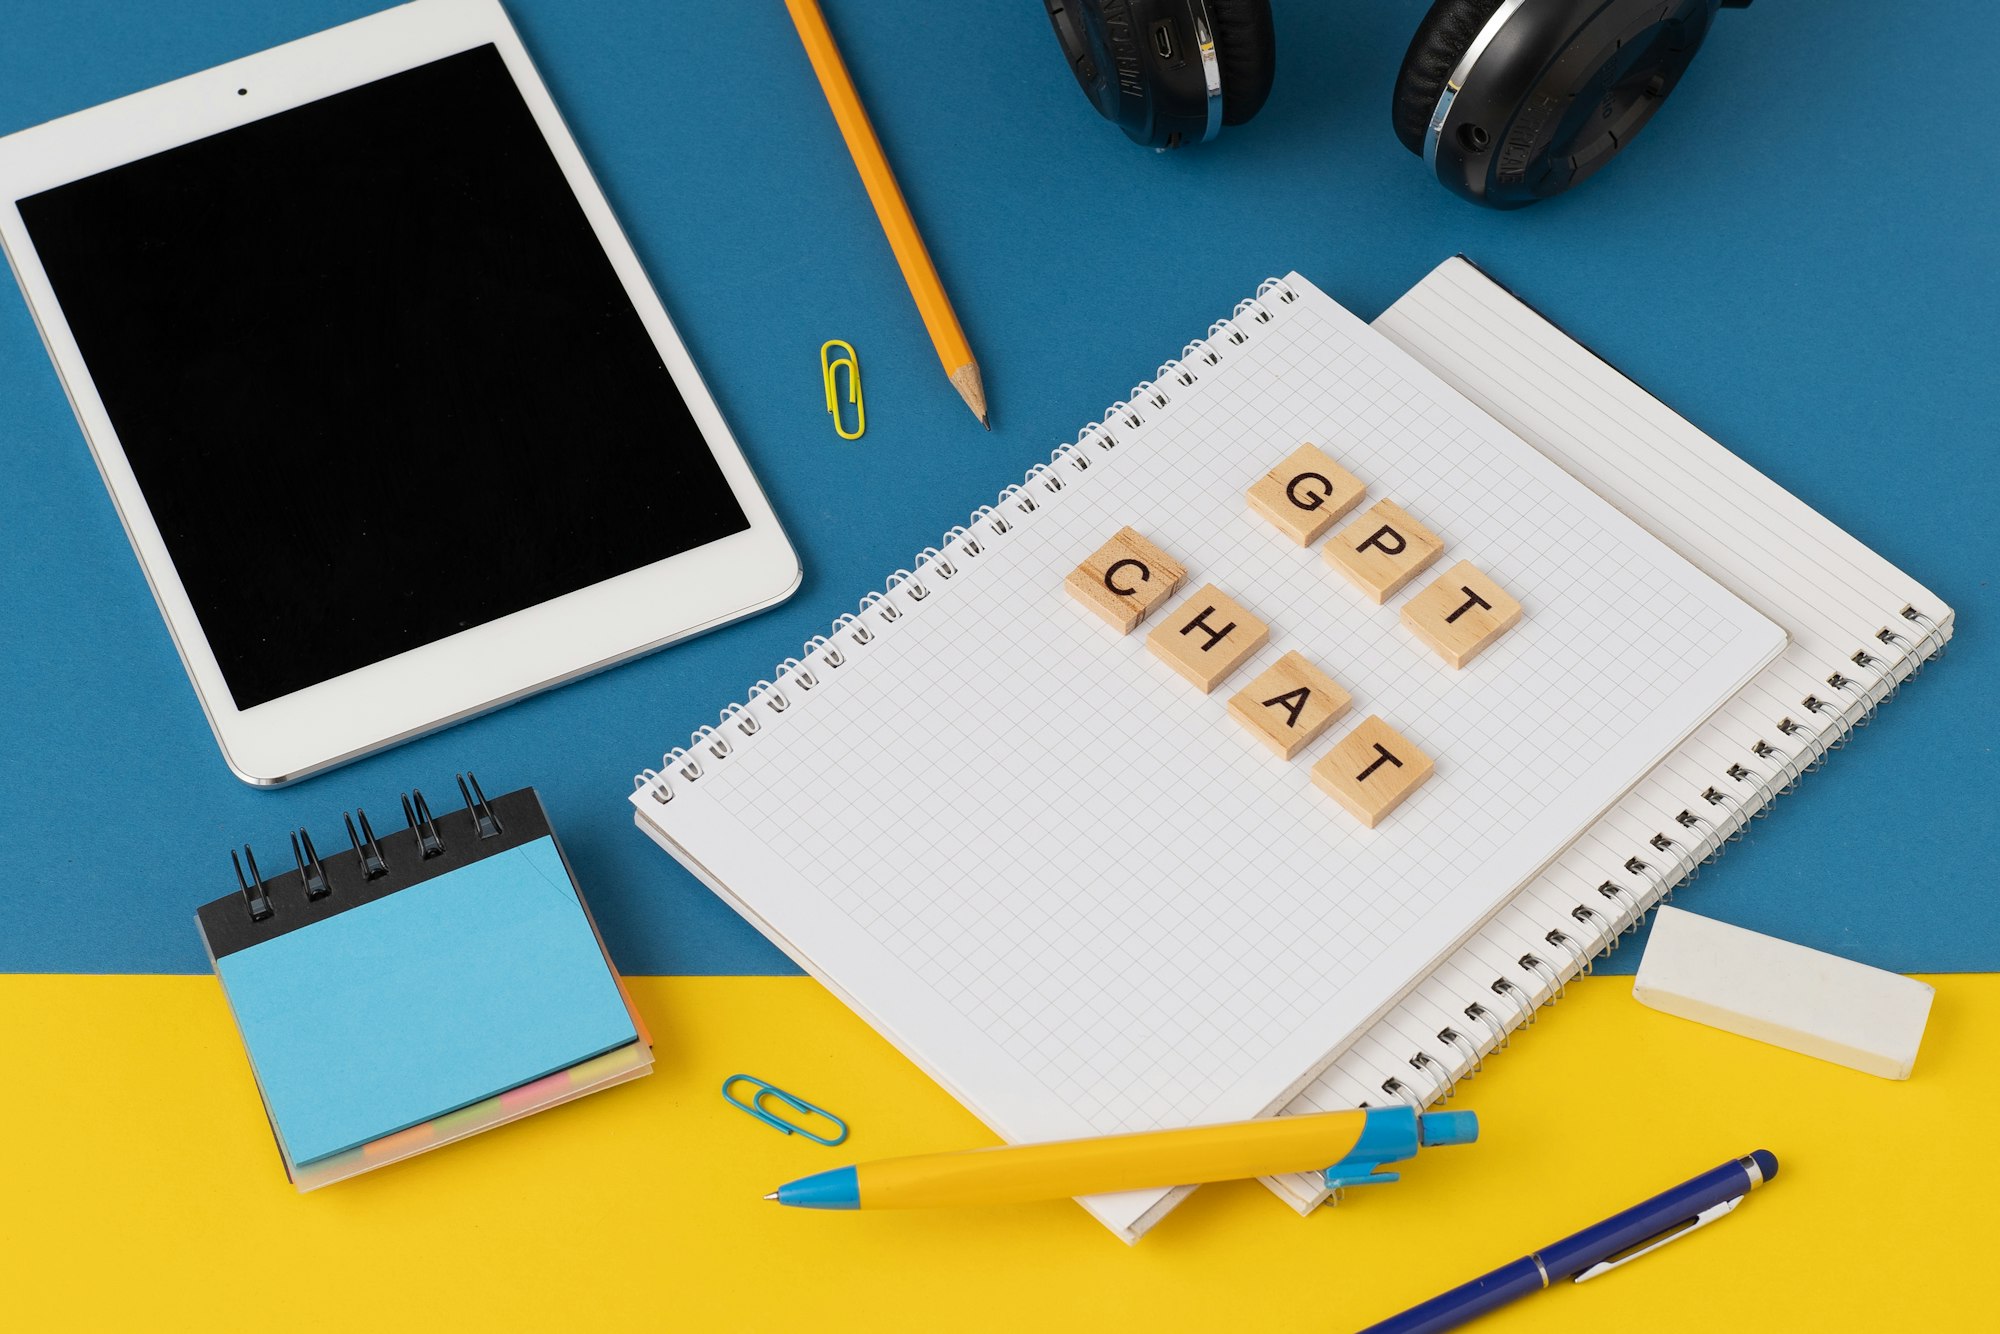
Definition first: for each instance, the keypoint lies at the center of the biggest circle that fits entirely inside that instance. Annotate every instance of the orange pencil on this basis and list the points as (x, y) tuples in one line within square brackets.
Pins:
[(887, 197)]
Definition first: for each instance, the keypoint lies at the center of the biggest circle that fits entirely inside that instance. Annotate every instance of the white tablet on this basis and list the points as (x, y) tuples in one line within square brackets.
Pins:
[(393, 418)]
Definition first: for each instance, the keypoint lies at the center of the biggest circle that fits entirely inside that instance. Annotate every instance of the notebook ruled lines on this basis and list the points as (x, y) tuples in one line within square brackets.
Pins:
[(1762, 545)]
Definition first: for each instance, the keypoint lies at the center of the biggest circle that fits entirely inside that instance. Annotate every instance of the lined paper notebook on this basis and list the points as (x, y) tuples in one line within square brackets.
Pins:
[(1858, 627), (1072, 888)]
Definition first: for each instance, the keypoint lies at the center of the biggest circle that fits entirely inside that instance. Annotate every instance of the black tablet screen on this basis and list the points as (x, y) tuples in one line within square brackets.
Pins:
[(375, 374)]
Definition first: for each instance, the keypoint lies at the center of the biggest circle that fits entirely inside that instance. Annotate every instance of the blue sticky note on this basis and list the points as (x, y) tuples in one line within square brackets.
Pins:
[(425, 1001)]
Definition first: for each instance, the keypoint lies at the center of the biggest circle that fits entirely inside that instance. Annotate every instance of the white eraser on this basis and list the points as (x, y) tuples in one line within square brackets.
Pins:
[(1784, 994)]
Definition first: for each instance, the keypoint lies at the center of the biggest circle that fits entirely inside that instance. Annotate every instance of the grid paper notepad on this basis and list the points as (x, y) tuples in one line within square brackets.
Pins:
[(1858, 626), (1076, 891)]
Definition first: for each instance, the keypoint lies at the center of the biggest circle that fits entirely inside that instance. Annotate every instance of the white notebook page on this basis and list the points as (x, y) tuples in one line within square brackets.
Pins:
[(1851, 644), (1073, 888)]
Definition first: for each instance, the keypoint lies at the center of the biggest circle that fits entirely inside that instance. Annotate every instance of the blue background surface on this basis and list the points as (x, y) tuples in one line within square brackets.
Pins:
[(1791, 257)]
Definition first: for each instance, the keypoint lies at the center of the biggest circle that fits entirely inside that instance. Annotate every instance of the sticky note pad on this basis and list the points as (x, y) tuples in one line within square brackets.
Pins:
[(433, 998), (1784, 994)]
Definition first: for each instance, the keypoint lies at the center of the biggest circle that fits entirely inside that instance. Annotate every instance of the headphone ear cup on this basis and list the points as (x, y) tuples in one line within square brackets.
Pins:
[(1246, 49), (1441, 42)]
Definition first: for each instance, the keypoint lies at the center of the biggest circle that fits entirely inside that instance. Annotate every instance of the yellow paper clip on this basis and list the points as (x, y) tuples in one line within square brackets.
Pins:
[(827, 370)]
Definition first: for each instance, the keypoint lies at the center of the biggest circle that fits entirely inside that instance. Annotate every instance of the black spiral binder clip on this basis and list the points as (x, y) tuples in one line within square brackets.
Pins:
[(418, 815), (956, 550), (368, 853), (318, 887), (484, 821), (254, 897), (312, 872)]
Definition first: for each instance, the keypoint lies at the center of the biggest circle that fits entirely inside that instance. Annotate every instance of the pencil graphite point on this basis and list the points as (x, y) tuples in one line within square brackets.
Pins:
[(966, 380)]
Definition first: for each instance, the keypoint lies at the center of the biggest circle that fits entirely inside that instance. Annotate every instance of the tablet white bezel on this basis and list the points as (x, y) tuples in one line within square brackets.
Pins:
[(476, 669)]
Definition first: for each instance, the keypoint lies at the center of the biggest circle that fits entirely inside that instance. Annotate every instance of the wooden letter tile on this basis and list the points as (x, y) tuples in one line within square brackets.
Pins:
[(1461, 613), (1207, 637), (1290, 703), (1383, 550), (1371, 771), (1124, 579), (1306, 494)]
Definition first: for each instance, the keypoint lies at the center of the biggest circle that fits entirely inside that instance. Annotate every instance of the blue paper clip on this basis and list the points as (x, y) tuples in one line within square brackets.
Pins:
[(757, 1109)]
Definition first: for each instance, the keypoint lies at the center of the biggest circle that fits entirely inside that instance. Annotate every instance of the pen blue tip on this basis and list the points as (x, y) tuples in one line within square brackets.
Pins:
[(1767, 1163), (838, 1189)]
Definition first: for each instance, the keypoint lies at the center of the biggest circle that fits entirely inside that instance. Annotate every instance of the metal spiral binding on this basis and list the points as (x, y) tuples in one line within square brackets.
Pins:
[(1502, 1036), (1474, 1062), (1504, 986), (1396, 1088), (1442, 1070), (856, 630), (314, 880), (1539, 967), (1670, 859)]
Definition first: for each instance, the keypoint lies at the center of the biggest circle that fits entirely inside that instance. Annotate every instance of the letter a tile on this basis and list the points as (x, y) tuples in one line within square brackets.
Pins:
[(1461, 613), (1289, 704), (1372, 771), (1207, 637), (1124, 579)]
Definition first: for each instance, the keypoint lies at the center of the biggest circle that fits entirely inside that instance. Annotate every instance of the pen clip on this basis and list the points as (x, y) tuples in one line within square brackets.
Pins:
[(1653, 1243)]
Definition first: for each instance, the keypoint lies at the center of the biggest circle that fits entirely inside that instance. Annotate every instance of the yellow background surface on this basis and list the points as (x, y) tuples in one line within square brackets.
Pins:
[(140, 1189)]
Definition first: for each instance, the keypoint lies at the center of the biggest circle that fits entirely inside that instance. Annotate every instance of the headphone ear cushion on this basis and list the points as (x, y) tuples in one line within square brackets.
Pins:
[(1441, 42), (1247, 52)]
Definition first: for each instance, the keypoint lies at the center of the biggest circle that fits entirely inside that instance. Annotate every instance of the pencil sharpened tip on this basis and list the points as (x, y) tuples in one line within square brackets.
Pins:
[(966, 380), (772, 1196)]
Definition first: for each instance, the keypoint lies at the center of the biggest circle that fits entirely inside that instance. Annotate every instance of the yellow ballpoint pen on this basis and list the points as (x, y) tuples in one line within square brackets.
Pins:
[(1348, 1147)]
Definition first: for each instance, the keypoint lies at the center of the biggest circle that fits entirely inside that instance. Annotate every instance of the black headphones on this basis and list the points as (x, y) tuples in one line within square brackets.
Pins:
[(1169, 72), (1509, 101)]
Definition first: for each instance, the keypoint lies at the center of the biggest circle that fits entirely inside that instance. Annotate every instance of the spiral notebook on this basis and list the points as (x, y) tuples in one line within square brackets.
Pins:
[(1071, 887), (1858, 628), (419, 987)]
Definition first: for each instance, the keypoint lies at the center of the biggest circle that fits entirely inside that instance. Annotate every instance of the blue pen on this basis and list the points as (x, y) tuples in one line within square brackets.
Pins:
[(1595, 1250)]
